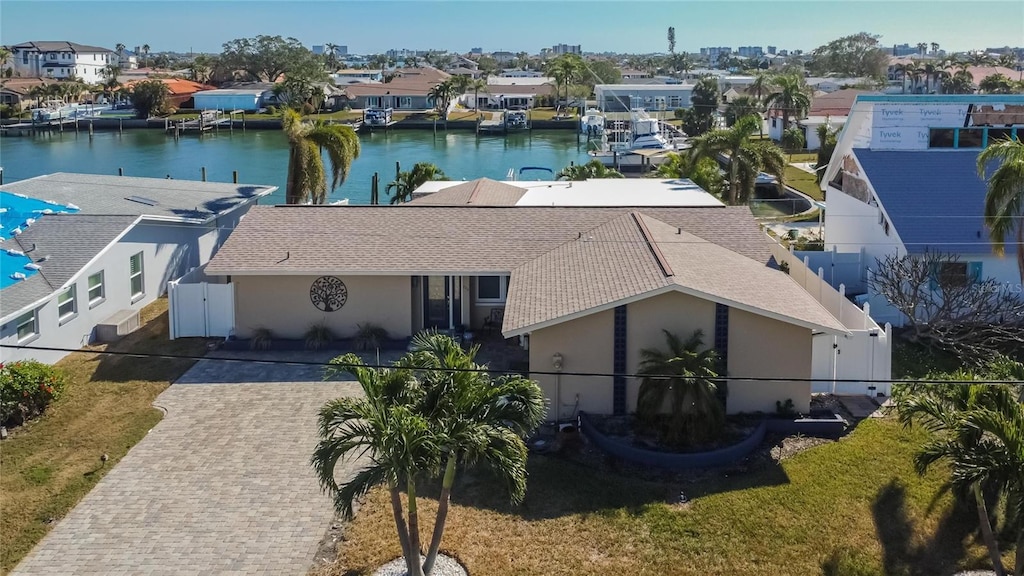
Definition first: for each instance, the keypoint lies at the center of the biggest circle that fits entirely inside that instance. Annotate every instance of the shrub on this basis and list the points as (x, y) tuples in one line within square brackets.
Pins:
[(308, 109), (369, 336), (272, 110), (26, 388), (261, 339), (317, 336)]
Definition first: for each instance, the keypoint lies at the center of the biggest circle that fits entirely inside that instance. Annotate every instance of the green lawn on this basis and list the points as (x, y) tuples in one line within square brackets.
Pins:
[(50, 464), (803, 181), (856, 502)]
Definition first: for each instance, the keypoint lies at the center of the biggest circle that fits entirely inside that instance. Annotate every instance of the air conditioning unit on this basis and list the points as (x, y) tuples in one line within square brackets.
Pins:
[(120, 324)]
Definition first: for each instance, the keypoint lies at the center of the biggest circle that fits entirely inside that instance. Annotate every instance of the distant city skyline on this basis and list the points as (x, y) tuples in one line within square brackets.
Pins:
[(368, 27)]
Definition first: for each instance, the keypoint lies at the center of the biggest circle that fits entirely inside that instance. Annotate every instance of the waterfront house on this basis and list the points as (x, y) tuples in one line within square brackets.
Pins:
[(14, 92), (585, 272), (247, 99), (94, 250), (61, 60), (903, 180), (180, 92), (357, 76), (408, 90), (654, 97)]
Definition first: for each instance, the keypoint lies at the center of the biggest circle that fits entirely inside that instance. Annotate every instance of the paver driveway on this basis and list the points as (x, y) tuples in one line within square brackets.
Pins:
[(222, 485)]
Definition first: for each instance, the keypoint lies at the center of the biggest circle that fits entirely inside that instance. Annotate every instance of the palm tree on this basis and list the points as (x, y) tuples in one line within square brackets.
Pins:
[(793, 139), (331, 56), (566, 69), (405, 183), (906, 72), (996, 84), (928, 70), (461, 84), (979, 431), (201, 68), (762, 84), (742, 106), (479, 419), (684, 378), (979, 59), (922, 48), (935, 47), (747, 158), (962, 82), (590, 171), (385, 427), (477, 85), (442, 94), (704, 172), (1007, 61), (306, 176), (1004, 201), (119, 48), (790, 98)]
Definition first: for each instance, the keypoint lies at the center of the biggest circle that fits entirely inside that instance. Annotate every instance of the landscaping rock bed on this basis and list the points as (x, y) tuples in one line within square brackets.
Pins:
[(445, 566)]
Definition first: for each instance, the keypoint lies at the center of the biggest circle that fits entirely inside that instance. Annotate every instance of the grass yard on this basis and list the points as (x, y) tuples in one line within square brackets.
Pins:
[(856, 503), (50, 464), (803, 181)]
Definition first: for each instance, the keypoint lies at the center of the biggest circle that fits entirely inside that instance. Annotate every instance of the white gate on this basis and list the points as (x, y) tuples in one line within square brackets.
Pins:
[(201, 309)]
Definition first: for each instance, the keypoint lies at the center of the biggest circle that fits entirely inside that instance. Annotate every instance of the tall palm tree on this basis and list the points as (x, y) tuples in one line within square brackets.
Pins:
[(762, 84), (683, 376), (935, 47), (922, 48), (442, 94), (742, 106), (793, 139), (590, 171), (979, 431), (1007, 61), (477, 85), (385, 428), (928, 70), (461, 84), (119, 48), (962, 82), (704, 172), (790, 98), (906, 71), (565, 69), (747, 158), (1004, 201), (405, 183), (307, 180), (478, 418)]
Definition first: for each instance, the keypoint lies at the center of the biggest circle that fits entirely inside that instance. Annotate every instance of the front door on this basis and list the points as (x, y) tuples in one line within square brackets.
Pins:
[(441, 302)]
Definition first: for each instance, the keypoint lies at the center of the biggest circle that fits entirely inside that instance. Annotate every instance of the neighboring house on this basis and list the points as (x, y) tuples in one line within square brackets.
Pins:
[(61, 60), (357, 75), (517, 73), (111, 253), (247, 99), (630, 74), (408, 90), (510, 92), (831, 108), (14, 92), (570, 276), (832, 84), (180, 92), (653, 97), (903, 180)]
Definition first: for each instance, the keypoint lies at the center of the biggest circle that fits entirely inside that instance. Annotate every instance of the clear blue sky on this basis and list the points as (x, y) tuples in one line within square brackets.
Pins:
[(598, 25)]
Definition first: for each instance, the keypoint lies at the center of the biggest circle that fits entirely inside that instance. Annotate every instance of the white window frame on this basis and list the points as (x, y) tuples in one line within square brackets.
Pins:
[(136, 296), (406, 102), (29, 317), (94, 302), (69, 296), (502, 290)]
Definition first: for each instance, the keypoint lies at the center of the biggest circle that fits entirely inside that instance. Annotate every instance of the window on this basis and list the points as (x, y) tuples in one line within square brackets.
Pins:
[(406, 102), (96, 291), (953, 273), (67, 304), (970, 138), (941, 137), (491, 288), (135, 274), (27, 326), (996, 134)]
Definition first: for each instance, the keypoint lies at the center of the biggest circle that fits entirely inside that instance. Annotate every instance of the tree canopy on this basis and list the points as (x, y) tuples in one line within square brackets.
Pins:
[(149, 98), (266, 58), (851, 56)]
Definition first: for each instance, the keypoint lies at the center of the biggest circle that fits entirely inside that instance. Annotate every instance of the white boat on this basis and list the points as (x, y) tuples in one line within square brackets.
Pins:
[(60, 110), (378, 116), (516, 120), (621, 144), (592, 123)]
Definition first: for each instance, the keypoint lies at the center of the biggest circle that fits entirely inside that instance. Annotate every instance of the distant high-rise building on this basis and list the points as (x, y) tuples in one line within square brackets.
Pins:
[(771, 49), (750, 51), (904, 50), (559, 49), (318, 49), (342, 50), (476, 51), (713, 52)]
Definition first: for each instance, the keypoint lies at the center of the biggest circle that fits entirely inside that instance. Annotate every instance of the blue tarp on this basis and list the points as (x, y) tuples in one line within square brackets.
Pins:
[(17, 213)]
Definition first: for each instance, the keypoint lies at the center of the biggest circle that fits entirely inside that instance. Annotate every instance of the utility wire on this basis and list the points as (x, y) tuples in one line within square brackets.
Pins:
[(490, 371)]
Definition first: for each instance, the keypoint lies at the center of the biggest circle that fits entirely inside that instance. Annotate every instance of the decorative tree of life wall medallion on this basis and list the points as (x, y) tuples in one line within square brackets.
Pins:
[(328, 293)]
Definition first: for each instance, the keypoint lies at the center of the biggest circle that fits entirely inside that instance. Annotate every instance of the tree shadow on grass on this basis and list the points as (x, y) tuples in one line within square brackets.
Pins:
[(559, 487), (902, 553)]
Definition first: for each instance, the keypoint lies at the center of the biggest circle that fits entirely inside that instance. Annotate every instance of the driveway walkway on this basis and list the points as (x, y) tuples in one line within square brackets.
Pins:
[(222, 485)]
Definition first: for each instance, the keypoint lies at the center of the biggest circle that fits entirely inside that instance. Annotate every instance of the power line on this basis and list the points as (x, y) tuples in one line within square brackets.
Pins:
[(492, 371)]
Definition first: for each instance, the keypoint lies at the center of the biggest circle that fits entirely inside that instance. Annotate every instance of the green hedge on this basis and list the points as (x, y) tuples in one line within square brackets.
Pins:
[(26, 388)]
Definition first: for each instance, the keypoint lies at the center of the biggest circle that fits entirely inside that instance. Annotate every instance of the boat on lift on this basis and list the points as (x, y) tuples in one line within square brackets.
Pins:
[(592, 122), (638, 142)]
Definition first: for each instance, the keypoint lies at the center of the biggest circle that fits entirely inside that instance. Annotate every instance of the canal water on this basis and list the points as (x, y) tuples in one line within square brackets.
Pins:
[(260, 156)]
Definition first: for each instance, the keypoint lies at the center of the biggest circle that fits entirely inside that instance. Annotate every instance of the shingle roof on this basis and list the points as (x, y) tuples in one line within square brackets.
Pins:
[(415, 239), (635, 255), (70, 240), (934, 199), (60, 46), (836, 103), (95, 194), (479, 192)]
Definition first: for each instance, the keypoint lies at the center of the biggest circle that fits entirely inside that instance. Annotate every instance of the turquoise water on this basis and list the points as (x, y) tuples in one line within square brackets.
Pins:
[(260, 156)]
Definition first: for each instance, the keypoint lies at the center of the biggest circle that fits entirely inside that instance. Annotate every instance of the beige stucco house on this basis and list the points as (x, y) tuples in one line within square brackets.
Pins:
[(590, 285)]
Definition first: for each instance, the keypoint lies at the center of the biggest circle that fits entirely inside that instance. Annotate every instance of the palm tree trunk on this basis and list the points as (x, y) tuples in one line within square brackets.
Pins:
[(986, 532), (412, 559), (291, 195), (403, 530), (734, 180), (442, 513), (1020, 250)]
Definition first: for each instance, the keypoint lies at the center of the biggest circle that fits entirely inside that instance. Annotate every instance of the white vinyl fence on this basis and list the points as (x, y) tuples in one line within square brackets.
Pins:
[(198, 307), (859, 363)]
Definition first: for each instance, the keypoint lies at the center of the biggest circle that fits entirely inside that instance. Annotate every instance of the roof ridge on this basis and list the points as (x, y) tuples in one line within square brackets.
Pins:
[(477, 186), (666, 269)]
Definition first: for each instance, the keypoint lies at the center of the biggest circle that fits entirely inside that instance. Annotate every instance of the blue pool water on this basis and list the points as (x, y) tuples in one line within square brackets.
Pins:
[(18, 212)]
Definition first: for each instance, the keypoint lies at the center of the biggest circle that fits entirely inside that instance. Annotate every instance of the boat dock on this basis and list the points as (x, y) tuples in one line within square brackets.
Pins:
[(206, 121), (505, 122), (27, 128)]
